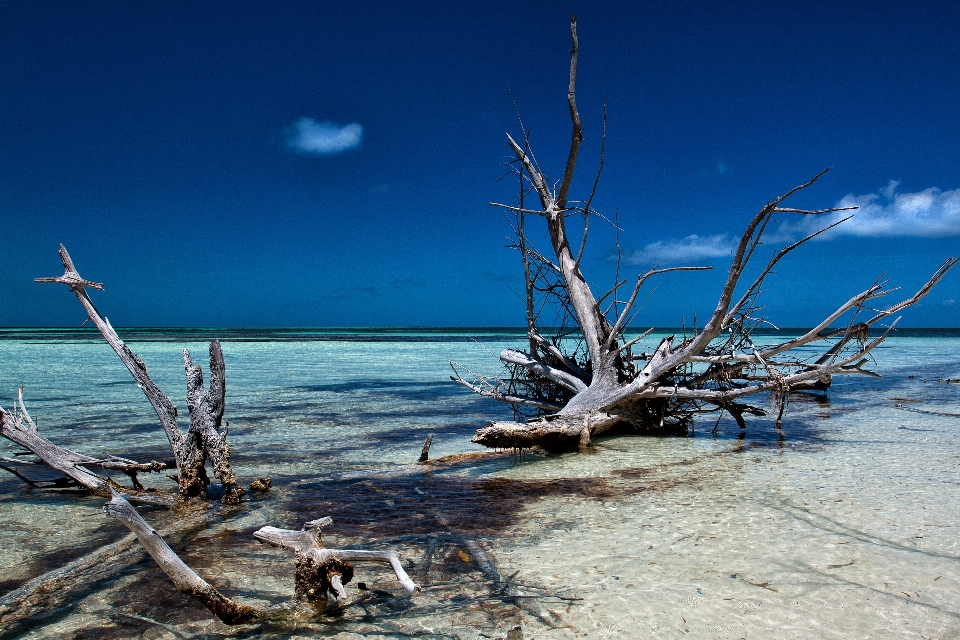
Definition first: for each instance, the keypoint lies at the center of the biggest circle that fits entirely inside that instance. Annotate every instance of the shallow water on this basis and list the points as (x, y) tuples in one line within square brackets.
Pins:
[(846, 526)]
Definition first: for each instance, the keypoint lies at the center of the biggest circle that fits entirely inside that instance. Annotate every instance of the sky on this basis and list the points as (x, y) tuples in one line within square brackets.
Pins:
[(251, 164)]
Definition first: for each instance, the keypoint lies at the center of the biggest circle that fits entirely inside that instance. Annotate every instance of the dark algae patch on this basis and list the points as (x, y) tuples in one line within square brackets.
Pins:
[(420, 505)]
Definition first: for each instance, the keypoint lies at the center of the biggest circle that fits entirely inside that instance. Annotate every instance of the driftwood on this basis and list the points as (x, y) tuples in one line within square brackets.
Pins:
[(182, 576), (599, 383), (46, 594), (425, 466), (207, 436), (319, 572), (20, 428)]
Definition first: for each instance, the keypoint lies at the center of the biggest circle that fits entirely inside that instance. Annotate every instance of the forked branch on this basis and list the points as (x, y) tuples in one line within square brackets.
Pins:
[(320, 571), (576, 136)]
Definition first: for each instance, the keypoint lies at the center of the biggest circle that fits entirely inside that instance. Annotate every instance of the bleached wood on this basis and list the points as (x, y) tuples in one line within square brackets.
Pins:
[(182, 576), (206, 437), (307, 544), (510, 356), (576, 136), (568, 363), (484, 387), (165, 409), (336, 585), (671, 382), (20, 428)]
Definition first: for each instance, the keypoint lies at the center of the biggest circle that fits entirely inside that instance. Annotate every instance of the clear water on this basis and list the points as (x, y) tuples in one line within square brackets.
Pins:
[(846, 526)]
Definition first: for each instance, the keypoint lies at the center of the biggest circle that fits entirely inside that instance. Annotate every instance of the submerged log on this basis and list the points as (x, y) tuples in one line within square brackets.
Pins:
[(586, 380), (58, 588), (182, 576)]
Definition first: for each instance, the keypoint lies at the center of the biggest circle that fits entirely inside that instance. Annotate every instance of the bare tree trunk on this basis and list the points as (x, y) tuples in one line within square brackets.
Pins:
[(711, 370), (208, 432)]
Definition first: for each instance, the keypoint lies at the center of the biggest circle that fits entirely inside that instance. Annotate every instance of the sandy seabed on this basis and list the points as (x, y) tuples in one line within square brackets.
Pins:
[(845, 525)]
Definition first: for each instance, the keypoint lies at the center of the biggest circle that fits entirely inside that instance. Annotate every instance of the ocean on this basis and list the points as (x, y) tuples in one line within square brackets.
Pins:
[(844, 524)]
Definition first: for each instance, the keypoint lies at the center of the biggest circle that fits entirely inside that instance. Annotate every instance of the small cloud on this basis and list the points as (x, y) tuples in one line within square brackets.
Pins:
[(929, 213), (693, 248), (949, 303), (308, 136), (380, 188), (890, 190)]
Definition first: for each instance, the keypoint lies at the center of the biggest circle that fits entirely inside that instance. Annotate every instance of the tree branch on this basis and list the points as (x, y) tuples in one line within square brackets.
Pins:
[(165, 409), (575, 384), (643, 277), (576, 136), (205, 438), (183, 577), (495, 392)]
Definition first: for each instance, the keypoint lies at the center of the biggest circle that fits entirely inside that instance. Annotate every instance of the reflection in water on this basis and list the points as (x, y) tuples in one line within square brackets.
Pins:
[(844, 524)]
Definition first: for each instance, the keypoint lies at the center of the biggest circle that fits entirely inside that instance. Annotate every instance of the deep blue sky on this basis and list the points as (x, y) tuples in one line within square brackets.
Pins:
[(155, 140)]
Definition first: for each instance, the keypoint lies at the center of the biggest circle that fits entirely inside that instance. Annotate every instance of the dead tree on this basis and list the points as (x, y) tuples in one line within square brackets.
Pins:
[(206, 438), (320, 572), (599, 383)]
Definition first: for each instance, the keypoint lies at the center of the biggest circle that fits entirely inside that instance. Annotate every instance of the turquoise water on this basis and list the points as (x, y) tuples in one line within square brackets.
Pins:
[(846, 526)]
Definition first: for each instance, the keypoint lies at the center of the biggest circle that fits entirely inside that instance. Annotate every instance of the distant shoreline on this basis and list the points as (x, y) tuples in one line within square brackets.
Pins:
[(360, 334)]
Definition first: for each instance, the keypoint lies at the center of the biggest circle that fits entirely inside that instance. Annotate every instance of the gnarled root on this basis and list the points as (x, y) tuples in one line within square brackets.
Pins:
[(314, 581), (322, 571)]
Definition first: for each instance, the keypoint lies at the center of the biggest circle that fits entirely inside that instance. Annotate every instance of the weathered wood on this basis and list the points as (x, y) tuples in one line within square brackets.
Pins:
[(52, 590), (166, 411), (182, 576), (572, 382), (425, 450), (206, 437), (549, 432), (709, 370), (55, 589), (19, 427), (445, 463), (206, 420), (321, 571)]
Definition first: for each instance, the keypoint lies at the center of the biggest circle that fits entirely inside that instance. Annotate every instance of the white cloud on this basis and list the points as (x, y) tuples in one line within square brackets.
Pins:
[(887, 213), (307, 135), (687, 250)]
